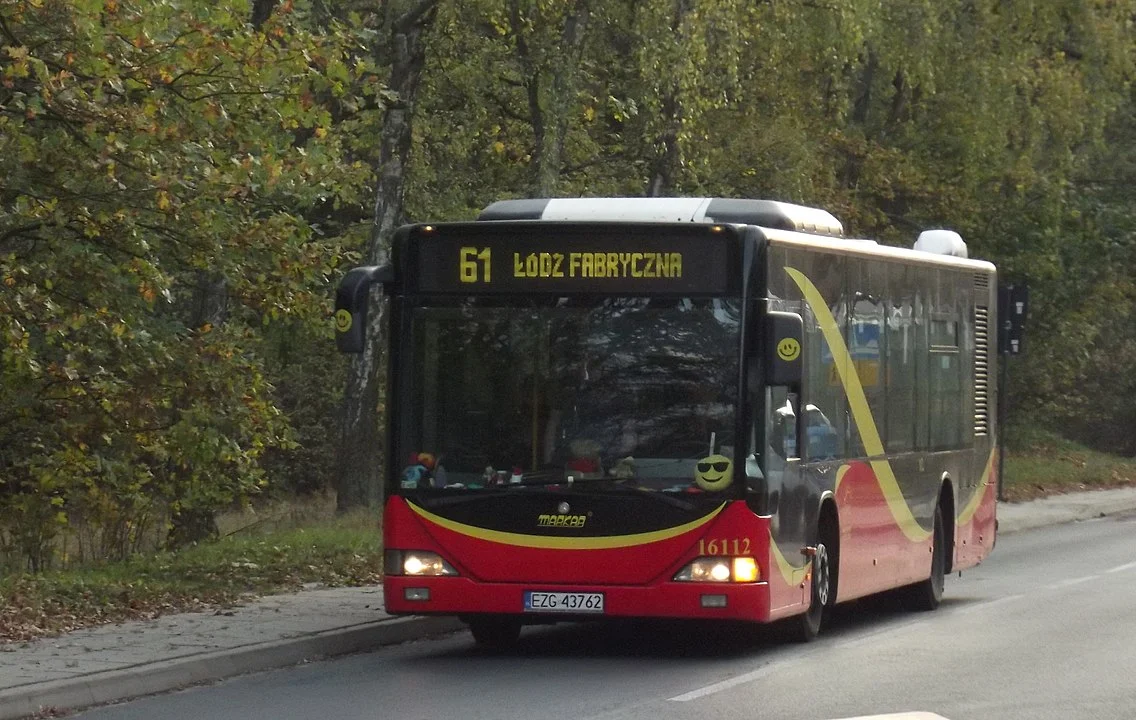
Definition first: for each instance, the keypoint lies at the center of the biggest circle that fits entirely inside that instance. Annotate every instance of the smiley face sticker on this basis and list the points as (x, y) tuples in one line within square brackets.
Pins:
[(714, 473), (789, 349), (342, 320)]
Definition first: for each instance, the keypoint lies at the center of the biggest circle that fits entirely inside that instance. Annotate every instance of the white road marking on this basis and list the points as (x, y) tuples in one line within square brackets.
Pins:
[(1121, 568), (734, 682), (900, 716), (1074, 581), (990, 603)]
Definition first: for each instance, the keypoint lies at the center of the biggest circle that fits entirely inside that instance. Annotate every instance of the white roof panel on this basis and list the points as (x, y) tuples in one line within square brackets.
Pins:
[(627, 209)]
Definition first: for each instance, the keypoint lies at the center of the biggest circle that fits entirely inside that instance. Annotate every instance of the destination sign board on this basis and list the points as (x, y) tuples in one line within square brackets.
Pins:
[(544, 257)]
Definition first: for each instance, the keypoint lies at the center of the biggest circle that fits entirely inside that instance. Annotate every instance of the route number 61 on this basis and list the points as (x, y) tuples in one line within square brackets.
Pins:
[(471, 260)]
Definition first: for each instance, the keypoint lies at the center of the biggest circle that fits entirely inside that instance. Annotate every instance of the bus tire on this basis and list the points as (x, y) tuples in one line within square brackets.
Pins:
[(927, 594), (495, 633), (821, 588)]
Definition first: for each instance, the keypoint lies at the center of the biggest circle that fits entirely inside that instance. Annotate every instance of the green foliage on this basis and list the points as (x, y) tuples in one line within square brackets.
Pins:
[(179, 190), (308, 377), (168, 183)]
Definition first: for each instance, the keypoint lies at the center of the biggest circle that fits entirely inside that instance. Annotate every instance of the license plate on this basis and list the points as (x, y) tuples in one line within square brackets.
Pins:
[(563, 602)]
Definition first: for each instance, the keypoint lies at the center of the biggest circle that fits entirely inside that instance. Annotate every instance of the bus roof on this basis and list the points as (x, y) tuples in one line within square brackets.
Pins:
[(871, 248), (764, 213), (780, 220)]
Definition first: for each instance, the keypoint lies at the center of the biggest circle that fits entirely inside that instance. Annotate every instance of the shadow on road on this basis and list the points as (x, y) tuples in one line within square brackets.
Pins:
[(678, 639)]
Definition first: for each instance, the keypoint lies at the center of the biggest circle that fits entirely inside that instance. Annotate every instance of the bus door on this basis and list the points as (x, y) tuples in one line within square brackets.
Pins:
[(787, 487), (787, 501)]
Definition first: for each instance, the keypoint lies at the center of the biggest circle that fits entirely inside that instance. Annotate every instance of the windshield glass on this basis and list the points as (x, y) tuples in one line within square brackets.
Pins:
[(620, 392)]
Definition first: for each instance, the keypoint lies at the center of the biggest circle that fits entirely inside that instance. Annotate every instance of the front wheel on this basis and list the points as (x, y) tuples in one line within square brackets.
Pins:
[(928, 594), (495, 633), (820, 595)]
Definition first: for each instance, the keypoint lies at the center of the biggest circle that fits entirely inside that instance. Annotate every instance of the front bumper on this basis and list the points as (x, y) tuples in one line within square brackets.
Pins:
[(463, 596)]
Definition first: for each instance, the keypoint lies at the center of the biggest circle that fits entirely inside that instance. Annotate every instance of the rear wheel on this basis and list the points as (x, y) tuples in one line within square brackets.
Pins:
[(928, 594), (497, 633)]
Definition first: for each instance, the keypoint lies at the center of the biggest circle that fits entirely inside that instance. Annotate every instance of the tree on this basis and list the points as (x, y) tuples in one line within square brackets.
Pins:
[(359, 467), (148, 150)]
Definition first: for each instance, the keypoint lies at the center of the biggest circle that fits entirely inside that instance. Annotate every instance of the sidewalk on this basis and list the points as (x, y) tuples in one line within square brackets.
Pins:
[(1057, 509), (116, 662)]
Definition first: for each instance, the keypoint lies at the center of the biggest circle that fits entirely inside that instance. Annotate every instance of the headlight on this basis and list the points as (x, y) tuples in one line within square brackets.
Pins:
[(417, 563), (720, 570)]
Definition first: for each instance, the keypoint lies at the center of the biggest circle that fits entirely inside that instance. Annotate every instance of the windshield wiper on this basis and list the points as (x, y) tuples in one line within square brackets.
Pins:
[(616, 485), (467, 497), (496, 492), (656, 495)]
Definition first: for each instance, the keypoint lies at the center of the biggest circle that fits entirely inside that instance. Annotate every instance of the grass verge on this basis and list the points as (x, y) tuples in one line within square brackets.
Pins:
[(216, 574), (1040, 462)]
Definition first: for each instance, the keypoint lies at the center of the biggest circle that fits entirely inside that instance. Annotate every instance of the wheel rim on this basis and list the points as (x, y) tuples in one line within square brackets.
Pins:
[(938, 561), (820, 574)]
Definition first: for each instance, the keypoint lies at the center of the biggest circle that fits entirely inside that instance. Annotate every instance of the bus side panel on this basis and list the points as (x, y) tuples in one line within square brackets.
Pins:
[(882, 545), (788, 535), (870, 540), (885, 505), (976, 524), (977, 511)]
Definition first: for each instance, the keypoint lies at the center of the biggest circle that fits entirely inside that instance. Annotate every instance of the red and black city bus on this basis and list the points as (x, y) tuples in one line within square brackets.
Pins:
[(678, 408)]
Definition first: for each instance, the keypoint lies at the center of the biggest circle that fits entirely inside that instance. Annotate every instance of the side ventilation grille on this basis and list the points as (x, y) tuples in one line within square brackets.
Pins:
[(981, 371)]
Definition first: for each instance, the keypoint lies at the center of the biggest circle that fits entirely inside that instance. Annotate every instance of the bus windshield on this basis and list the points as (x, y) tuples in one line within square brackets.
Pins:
[(618, 392)]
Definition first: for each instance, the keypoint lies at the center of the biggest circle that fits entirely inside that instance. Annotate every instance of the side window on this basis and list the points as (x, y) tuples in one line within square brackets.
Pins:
[(823, 440), (778, 444), (900, 360), (926, 281), (866, 341), (824, 391), (783, 426), (945, 374)]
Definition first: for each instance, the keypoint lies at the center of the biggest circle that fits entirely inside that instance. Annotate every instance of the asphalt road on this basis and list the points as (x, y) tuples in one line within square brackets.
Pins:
[(1043, 630)]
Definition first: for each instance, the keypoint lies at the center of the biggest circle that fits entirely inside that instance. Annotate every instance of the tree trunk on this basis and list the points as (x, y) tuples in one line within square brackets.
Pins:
[(666, 163), (190, 526), (360, 463), (210, 306), (261, 11), (862, 105), (563, 91), (549, 108)]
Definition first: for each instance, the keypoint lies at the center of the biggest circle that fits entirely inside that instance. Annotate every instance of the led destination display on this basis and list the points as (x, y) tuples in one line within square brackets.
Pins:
[(572, 258)]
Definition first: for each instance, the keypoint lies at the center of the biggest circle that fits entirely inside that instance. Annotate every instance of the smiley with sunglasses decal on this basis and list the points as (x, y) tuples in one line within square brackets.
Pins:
[(714, 472)]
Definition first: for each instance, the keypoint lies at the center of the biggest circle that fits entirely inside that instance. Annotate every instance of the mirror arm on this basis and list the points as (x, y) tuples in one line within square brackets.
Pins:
[(351, 300)]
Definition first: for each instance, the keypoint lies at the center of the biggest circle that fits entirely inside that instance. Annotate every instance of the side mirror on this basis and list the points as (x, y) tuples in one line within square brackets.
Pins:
[(351, 300), (783, 336)]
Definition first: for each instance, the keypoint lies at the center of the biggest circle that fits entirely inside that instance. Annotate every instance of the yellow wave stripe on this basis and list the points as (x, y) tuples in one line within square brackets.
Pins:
[(793, 575), (840, 473), (979, 492), (861, 413), (606, 542)]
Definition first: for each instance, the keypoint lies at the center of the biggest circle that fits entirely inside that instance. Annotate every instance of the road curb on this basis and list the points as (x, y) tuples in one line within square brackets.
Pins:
[(149, 678), (1064, 509)]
